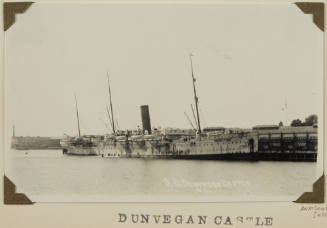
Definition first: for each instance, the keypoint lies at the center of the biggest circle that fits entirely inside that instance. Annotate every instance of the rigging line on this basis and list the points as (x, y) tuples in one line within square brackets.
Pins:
[(117, 126), (105, 124), (203, 119), (286, 112), (188, 118), (116, 120)]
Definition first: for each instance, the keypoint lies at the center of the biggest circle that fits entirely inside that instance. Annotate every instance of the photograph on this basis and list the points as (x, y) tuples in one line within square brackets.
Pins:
[(163, 102)]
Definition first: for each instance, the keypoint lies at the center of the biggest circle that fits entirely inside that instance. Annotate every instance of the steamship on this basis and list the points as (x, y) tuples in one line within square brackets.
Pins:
[(268, 142)]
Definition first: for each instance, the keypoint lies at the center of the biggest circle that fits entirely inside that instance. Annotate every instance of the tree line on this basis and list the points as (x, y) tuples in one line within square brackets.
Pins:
[(309, 121)]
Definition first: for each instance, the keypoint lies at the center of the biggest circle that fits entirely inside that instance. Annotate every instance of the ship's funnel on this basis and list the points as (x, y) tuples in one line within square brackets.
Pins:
[(146, 123)]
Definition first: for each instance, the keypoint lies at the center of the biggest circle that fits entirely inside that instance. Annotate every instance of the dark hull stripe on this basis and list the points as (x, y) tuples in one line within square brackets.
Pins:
[(236, 157)]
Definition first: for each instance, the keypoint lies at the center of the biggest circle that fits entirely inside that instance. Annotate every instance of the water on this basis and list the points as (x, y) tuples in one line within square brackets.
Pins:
[(50, 176)]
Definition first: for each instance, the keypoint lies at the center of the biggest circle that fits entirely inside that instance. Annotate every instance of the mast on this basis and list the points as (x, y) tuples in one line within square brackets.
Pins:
[(196, 122), (112, 114), (286, 114), (110, 121), (79, 130), (195, 97)]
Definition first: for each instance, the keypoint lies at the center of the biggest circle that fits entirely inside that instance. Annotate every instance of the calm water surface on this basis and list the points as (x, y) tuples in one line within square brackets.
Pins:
[(48, 175)]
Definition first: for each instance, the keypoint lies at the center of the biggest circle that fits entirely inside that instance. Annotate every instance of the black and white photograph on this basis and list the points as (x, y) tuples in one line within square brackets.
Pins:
[(163, 102)]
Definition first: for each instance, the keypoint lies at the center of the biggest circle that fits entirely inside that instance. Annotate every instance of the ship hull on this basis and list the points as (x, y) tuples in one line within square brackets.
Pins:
[(78, 151), (253, 156)]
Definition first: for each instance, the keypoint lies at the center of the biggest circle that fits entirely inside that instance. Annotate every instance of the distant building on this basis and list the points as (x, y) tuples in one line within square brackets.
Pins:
[(34, 143)]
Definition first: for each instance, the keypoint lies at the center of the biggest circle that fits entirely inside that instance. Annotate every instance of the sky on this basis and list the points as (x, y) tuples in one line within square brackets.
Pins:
[(249, 61)]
